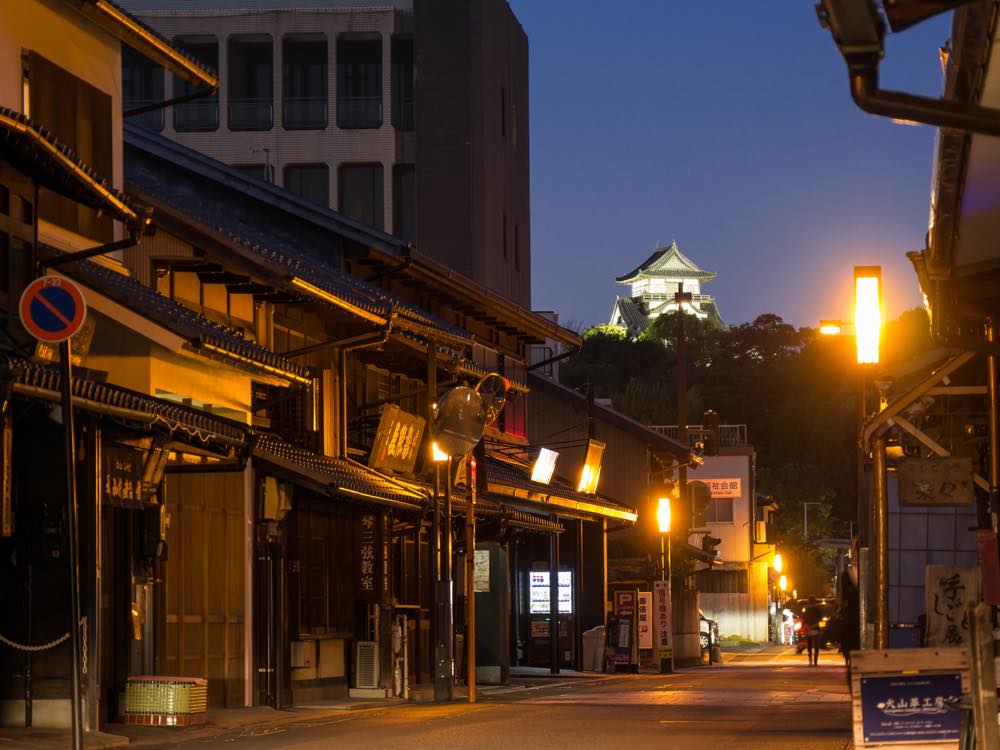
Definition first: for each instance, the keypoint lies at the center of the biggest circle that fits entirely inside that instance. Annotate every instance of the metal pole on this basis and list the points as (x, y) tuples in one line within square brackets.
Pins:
[(554, 601), (993, 420), (880, 544), (442, 674), (470, 572), (446, 551), (682, 434), (578, 598), (66, 383)]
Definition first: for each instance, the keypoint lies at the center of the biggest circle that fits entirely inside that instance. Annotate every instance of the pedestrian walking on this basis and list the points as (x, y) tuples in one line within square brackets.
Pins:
[(811, 618)]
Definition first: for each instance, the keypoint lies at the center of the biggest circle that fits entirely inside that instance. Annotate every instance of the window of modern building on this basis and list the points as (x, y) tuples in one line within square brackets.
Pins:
[(311, 181), (404, 202), (304, 84), (402, 83), (251, 82), (79, 116), (257, 171), (359, 83), (202, 114), (719, 511), (360, 193), (142, 86)]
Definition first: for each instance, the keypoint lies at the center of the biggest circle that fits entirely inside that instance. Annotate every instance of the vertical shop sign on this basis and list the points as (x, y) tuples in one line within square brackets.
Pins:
[(369, 557), (948, 588), (662, 615), (645, 619)]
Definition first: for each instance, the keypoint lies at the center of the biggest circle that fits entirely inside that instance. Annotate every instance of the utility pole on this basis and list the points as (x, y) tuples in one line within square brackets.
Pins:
[(682, 435), (470, 575)]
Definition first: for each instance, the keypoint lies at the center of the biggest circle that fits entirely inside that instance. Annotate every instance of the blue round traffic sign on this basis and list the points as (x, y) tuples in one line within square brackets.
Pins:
[(52, 309)]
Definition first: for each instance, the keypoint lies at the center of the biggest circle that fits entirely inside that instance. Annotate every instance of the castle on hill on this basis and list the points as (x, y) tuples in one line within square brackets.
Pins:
[(654, 284)]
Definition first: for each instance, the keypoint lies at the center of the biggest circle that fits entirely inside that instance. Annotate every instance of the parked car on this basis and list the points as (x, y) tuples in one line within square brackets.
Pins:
[(827, 624)]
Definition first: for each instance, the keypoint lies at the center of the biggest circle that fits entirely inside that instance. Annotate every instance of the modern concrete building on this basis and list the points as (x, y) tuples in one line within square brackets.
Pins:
[(409, 115)]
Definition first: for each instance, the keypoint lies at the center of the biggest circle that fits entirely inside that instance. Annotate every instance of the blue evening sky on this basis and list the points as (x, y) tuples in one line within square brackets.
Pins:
[(729, 127)]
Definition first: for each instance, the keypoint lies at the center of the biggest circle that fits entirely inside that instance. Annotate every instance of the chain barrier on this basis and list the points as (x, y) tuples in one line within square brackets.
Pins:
[(52, 644)]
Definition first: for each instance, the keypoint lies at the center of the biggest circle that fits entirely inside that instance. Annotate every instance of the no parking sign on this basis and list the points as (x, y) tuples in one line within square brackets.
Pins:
[(52, 309)]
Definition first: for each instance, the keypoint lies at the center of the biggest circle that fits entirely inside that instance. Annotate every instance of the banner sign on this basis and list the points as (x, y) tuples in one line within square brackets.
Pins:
[(935, 482), (621, 629), (397, 441), (481, 572), (369, 557), (662, 619), (724, 488), (911, 708), (645, 617), (948, 588)]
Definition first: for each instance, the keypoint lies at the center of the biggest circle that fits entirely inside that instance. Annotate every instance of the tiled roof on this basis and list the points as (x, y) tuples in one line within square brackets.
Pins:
[(191, 425), (499, 506), (661, 257), (512, 478), (337, 476), (115, 19), (200, 332), (34, 151), (633, 315), (227, 202)]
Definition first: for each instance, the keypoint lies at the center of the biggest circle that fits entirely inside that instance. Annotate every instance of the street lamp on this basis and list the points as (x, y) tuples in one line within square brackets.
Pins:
[(867, 312), (664, 644), (778, 563)]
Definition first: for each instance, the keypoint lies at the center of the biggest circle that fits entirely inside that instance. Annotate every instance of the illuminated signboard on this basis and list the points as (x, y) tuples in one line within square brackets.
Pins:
[(538, 592)]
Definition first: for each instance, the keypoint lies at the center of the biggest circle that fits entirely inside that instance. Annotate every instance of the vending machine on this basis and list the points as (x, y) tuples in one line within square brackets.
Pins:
[(539, 616)]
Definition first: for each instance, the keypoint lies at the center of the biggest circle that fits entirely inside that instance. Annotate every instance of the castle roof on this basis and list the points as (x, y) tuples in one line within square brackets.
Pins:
[(667, 262)]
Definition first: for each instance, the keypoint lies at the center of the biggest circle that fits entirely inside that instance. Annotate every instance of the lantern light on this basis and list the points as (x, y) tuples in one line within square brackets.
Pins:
[(544, 465), (663, 515)]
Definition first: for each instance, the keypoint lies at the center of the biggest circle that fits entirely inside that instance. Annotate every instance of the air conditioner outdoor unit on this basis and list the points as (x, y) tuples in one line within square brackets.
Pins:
[(366, 660)]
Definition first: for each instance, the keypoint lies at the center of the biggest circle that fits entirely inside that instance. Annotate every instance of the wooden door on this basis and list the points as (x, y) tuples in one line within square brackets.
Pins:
[(205, 591)]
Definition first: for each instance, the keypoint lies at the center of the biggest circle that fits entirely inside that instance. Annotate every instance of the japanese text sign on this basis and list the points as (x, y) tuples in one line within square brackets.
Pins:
[(397, 441), (935, 481), (911, 708), (948, 588), (724, 488), (370, 557)]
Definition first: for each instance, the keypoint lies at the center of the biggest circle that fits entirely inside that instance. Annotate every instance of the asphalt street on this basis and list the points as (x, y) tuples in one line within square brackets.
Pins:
[(769, 700)]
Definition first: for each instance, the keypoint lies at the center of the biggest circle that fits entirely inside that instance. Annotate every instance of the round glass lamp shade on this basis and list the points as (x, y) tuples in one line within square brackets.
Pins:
[(459, 421)]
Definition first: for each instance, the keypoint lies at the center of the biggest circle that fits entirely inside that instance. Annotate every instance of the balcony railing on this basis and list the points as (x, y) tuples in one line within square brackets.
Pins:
[(304, 113), (251, 114), (196, 116), (659, 296), (364, 112), (730, 435)]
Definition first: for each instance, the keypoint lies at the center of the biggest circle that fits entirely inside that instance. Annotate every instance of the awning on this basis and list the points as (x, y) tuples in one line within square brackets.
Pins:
[(511, 480), (188, 425), (133, 32), (31, 150), (498, 508), (336, 476)]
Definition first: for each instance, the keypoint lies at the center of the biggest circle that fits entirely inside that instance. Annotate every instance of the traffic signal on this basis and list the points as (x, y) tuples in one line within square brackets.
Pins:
[(709, 544), (700, 496), (710, 421)]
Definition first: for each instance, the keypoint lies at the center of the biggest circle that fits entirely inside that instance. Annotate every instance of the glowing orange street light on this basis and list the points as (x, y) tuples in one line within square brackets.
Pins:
[(663, 515), (867, 312), (778, 563), (783, 583)]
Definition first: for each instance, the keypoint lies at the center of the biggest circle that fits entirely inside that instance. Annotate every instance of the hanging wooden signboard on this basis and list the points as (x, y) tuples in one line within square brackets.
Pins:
[(935, 481)]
